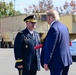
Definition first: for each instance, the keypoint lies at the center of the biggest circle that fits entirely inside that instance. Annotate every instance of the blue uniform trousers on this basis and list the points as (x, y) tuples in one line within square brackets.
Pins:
[(22, 72)]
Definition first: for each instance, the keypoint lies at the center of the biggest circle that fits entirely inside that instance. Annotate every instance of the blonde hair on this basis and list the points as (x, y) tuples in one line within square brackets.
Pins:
[(53, 13)]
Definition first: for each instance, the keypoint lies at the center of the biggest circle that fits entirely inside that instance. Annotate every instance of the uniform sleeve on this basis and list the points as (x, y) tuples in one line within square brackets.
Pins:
[(18, 49), (49, 45)]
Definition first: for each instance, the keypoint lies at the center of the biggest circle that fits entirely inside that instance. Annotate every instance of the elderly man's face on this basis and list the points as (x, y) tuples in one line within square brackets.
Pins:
[(31, 25), (49, 19)]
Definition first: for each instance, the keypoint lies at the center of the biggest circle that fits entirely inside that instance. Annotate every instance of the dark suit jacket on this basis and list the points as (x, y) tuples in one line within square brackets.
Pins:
[(55, 51), (24, 50)]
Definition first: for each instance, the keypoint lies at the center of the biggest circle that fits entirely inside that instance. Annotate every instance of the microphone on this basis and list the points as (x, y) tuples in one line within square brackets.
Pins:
[(38, 46)]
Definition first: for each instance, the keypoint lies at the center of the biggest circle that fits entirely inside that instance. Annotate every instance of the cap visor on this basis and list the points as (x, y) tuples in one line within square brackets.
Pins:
[(31, 20)]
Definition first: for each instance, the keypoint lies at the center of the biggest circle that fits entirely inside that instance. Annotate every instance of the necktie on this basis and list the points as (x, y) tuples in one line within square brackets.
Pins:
[(33, 35)]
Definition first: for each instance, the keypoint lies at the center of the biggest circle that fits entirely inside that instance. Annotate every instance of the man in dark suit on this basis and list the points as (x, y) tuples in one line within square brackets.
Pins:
[(55, 54), (27, 58)]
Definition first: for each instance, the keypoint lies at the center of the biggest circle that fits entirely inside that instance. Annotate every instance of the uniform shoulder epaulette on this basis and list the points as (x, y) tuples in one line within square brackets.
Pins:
[(21, 32)]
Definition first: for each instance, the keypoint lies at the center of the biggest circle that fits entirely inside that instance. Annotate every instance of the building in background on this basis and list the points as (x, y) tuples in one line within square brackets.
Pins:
[(9, 26)]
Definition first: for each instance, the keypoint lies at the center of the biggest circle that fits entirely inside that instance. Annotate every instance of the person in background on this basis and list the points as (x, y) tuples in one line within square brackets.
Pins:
[(27, 58), (55, 54), (2, 43)]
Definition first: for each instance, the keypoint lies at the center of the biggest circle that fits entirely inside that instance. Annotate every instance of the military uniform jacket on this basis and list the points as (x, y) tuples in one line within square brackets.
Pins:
[(24, 51)]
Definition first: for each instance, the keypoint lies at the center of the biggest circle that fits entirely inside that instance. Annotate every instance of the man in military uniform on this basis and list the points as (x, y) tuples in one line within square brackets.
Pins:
[(27, 58)]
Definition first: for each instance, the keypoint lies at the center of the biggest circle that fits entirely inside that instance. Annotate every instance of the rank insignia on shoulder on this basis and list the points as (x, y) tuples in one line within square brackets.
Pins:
[(21, 32)]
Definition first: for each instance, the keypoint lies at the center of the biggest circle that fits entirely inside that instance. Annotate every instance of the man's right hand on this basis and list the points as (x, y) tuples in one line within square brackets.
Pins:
[(46, 67), (21, 66)]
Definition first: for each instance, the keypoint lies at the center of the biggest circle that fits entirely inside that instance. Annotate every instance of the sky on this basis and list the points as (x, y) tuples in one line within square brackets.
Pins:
[(21, 4)]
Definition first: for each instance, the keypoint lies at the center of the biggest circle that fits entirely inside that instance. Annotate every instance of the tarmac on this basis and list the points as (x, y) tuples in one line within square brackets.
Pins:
[(7, 63)]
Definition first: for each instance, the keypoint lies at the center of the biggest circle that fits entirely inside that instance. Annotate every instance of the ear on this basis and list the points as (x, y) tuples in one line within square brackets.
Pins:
[(50, 18)]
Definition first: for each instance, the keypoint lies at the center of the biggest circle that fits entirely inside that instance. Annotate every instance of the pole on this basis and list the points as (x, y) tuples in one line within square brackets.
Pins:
[(14, 7), (14, 4)]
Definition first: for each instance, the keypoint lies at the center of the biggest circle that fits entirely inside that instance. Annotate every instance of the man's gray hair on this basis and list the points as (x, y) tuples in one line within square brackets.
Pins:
[(53, 13)]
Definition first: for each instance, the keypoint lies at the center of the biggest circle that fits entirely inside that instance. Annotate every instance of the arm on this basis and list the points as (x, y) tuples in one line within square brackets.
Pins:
[(18, 50), (50, 44)]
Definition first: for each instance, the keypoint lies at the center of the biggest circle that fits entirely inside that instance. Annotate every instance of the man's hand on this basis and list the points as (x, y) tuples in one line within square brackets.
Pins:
[(46, 67), (21, 66)]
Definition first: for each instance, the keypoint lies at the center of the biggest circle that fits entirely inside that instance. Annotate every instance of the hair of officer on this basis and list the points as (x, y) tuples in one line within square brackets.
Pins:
[(53, 13)]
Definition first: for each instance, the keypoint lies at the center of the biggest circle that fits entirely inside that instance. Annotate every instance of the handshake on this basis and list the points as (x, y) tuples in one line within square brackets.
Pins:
[(38, 46)]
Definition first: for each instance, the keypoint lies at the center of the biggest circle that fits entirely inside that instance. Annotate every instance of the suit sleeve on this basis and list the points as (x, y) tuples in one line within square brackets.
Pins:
[(49, 45), (18, 49)]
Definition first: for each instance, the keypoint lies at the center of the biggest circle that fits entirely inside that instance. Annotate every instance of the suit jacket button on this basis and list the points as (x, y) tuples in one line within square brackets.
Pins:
[(26, 46)]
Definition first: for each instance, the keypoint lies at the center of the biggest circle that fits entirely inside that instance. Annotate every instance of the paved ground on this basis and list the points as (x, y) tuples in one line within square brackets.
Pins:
[(7, 64)]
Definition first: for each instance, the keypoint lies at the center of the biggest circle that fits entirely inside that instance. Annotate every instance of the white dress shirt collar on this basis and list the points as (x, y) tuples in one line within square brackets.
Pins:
[(31, 32), (53, 22)]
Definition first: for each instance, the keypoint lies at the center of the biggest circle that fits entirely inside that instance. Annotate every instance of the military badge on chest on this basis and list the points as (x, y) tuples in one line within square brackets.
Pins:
[(26, 42)]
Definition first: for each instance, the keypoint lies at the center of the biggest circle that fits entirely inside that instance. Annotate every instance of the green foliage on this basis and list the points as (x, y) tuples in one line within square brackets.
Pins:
[(7, 9)]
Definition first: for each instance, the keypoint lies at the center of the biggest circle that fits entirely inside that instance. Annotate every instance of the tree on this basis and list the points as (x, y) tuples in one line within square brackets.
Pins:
[(67, 8), (40, 8), (6, 9)]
